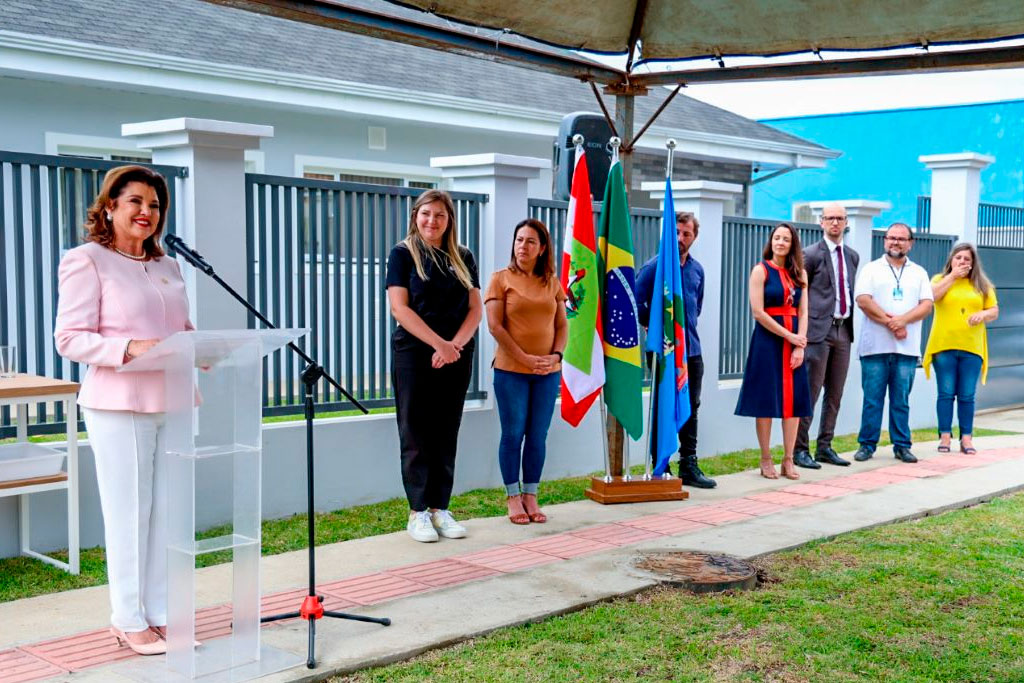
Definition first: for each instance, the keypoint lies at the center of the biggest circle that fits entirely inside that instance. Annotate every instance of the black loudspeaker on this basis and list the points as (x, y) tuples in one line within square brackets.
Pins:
[(596, 133)]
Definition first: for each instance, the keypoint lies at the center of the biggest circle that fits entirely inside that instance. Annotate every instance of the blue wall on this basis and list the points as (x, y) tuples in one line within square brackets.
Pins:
[(880, 151)]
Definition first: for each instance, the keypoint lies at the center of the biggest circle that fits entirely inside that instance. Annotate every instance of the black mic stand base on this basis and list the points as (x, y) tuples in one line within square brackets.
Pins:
[(312, 607)]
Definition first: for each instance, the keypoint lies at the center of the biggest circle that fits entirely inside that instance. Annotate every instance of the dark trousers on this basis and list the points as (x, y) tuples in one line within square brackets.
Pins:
[(688, 434), (827, 364), (429, 405)]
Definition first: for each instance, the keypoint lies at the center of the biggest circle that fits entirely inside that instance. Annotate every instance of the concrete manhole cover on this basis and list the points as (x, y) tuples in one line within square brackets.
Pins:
[(699, 572)]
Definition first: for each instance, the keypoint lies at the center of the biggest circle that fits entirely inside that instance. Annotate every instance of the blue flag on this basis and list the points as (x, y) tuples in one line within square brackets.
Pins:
[(666, 339)]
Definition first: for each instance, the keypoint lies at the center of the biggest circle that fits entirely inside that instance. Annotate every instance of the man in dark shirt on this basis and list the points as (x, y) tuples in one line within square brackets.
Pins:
[(687, 227)]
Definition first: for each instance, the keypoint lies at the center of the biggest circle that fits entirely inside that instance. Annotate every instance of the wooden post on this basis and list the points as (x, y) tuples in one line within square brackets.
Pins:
[(620, 490)]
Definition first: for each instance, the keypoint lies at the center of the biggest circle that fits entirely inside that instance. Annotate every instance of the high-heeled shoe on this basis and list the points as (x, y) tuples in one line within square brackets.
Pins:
[(967, 450), (162, 632), (154, 647), (768, 469), (532, 509), (788, 470)]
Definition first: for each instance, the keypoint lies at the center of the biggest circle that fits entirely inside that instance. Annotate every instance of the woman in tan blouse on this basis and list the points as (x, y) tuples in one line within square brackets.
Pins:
[(526, 316)]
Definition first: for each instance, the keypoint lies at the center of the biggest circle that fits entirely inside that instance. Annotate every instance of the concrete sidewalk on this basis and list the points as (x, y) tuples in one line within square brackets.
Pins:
[(501, 575)]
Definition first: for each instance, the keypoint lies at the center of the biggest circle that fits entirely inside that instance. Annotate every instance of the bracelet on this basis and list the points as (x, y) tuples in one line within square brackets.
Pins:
[(559, 354), (126, 347)]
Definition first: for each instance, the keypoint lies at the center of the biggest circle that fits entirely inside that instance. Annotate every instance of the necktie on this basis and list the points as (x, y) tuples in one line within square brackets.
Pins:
[(842, 282)]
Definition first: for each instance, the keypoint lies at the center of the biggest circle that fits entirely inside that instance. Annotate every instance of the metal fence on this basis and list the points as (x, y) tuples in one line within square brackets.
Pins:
[(1000, 226), (924, 213), (317, 253), (43, 200), (646, 227), (930, 251), (743, 241)]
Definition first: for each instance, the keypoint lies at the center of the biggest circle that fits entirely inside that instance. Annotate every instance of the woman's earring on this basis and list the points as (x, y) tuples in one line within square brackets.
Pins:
[(110, 216)]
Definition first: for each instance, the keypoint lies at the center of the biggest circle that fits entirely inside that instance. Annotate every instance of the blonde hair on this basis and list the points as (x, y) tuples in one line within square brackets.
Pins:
[(977, 276), (417, 247)]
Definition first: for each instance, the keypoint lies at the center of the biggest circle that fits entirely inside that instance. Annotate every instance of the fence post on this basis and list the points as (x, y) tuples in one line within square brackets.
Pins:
[(956, 191), (707, 200), (860, 221), (503, 178), (211, 203)]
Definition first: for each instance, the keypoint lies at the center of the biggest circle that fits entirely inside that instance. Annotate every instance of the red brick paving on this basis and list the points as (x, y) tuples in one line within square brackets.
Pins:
[(17, 666), (81, 651), (665, 524), (508, 558), (372, 588), (94, 648), (444, 572), (565, 545), (817, 490), (615, 534), (709, 514), (790, 500)]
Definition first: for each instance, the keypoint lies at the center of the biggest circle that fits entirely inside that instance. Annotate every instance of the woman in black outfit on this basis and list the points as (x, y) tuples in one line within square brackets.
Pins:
[(434, 292)]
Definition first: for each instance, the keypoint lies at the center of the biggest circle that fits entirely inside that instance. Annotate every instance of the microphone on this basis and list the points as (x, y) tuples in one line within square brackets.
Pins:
[(176, 245)]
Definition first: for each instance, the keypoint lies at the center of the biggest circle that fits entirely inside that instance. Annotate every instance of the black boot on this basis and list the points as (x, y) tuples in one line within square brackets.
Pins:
[(689, 472)]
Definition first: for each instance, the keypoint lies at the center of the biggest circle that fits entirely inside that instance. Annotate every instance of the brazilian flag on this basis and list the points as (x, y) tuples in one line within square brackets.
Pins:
[(624, 373)]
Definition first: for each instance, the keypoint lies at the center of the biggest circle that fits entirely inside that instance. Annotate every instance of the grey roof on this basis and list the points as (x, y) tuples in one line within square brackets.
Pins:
[(199, 30)]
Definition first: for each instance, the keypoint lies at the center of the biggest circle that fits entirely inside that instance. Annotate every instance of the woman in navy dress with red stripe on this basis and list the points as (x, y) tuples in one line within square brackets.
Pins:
[(775, 379)]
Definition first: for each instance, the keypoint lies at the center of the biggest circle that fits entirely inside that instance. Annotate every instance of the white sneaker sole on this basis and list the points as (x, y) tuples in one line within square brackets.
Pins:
[(423, 538), (451, 533)]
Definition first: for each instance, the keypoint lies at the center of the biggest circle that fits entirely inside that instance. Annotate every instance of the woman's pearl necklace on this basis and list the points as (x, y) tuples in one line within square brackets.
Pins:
[(143, 257)]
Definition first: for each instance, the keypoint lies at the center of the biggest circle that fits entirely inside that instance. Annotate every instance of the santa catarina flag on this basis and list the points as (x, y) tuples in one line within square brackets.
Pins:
[(582, 363), (624, 374), (666, 338)]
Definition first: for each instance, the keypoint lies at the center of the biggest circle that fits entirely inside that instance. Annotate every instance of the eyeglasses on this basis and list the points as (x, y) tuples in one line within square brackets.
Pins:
[(896, 239), (833, 219)]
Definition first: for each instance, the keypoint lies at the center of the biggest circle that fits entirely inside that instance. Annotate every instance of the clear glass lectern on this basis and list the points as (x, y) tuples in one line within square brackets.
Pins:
[(213, 386)]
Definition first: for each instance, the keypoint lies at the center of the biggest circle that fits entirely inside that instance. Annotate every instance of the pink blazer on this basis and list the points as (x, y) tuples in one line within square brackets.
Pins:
[(105, 300)]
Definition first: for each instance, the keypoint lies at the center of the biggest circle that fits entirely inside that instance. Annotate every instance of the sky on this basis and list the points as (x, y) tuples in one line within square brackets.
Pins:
[(778, 99)]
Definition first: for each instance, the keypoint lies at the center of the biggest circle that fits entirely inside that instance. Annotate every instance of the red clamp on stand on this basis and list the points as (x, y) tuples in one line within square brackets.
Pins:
[(312, 607)]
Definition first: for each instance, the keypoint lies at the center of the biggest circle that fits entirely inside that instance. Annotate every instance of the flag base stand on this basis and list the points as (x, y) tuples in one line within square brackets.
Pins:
[(635, 490)]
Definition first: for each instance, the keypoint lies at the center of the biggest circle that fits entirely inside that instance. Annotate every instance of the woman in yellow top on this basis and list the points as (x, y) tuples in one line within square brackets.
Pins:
[(958, 344), (526, 316)]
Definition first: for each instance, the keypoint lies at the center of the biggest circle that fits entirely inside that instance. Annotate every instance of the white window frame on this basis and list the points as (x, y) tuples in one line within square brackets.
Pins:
[(96, 146), (334, 166)]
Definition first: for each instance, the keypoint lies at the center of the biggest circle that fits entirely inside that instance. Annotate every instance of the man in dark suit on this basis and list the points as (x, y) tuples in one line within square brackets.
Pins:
[(831, 272)]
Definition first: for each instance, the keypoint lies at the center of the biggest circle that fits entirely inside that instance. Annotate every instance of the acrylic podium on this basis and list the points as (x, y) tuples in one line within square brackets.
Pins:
[(213, 388)]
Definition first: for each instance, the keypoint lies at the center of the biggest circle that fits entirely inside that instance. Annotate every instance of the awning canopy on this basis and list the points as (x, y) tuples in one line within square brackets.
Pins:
[(674, 30), (685, 29)]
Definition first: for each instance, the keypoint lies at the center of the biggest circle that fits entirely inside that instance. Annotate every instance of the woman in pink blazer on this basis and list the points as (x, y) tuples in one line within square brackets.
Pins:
[(119, 296)]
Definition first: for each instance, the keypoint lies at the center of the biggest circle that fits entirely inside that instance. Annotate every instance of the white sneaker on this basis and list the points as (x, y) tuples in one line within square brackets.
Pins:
[(446, 525), (420, 528)]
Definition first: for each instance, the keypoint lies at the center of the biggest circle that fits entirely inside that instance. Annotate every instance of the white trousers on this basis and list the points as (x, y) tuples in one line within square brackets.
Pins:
[(131, 470)]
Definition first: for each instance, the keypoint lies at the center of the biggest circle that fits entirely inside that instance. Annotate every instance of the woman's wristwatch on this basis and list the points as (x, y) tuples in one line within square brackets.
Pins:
[(559, 354)]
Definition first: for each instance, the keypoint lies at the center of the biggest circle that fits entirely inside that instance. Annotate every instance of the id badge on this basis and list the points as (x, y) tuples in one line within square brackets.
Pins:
[(897, 294)]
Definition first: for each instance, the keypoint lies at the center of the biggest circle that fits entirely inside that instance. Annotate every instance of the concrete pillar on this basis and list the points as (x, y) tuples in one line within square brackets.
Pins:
[(211, 204), (708, 201), (860, 215), (503, 178), (956, 191)]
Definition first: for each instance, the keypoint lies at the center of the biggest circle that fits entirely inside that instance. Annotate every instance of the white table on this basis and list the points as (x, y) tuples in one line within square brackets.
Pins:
[(21, 391)]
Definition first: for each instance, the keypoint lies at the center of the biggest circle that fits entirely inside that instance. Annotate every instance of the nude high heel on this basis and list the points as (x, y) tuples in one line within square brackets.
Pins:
[(156, 647)]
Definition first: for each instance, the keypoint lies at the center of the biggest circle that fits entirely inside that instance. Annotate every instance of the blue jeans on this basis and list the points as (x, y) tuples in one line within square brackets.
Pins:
[(525, 405), (956, 373), (881, 372)]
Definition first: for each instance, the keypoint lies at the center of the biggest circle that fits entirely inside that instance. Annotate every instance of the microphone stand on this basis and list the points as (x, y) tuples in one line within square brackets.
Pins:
[(312, 607)]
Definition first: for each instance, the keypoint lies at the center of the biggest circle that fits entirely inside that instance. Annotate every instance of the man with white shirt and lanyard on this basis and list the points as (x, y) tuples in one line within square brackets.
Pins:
[(895, 295), (831, 267)]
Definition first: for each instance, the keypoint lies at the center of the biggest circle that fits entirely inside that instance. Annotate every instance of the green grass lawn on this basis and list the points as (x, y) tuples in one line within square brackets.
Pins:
[(937, 599), (23, 577)]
